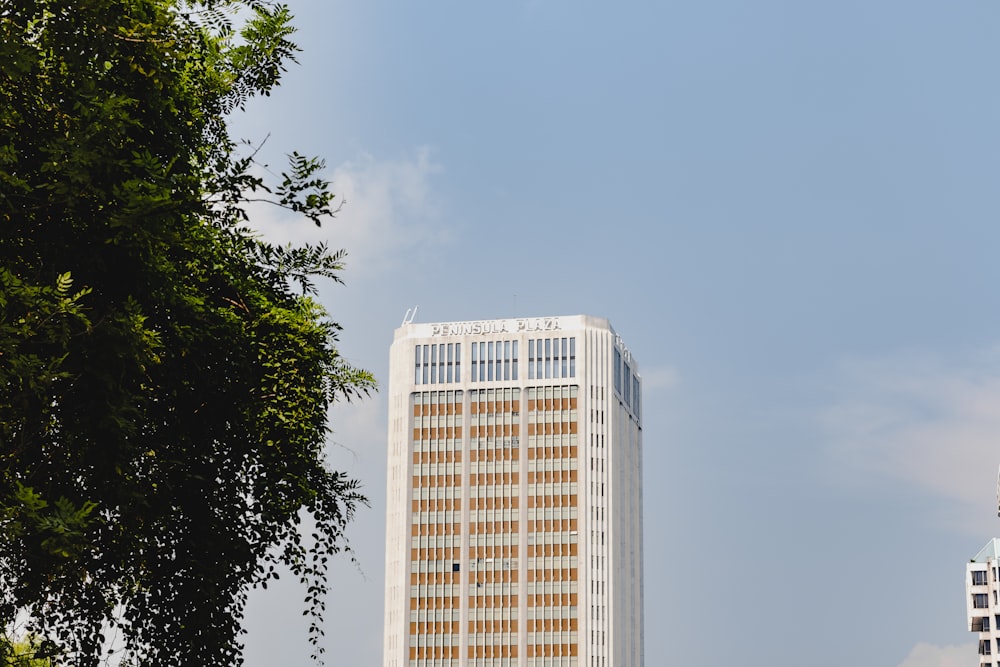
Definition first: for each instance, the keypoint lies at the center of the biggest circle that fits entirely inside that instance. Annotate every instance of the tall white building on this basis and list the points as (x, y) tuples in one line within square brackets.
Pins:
[(981, 600), (514, 519)]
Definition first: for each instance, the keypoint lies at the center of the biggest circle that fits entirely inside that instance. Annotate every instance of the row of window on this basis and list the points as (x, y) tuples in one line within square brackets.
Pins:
[(493, 490), (509, 419), (564, 661), (537, 563), (432, 469), (493, 440), (552, 587), (494, 361), (490, 539), (554, 537), (435, 615), (496, 396), (438, 397), (514, 588), (982, 600), (435, 541), (552, 464), (435, 565), (434, 590), (507, 514), (502, 619), (426, 640), (550, 358), (437, 493), (440, 363), (437, 444), (499, 400), (552, 513), (626, 383), (566, 637), (438, 420), (496, 466), (982, 623)]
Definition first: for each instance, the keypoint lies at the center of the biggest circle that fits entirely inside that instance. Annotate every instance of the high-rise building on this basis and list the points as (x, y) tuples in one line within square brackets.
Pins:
[(514, 518), (983, 609)]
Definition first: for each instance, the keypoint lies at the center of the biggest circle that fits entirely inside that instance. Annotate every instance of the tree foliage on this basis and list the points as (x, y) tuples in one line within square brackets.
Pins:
[(165, 375), (26, 652)]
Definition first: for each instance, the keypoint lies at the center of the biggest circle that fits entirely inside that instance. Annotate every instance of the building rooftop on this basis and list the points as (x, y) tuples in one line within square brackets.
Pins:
[(988, 552)]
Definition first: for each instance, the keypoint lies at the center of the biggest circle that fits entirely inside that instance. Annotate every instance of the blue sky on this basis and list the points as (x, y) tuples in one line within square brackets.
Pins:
[(787, 210)]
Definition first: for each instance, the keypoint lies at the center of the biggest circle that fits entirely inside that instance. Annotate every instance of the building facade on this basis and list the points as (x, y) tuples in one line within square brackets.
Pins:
[(981, 599), (514, 514)]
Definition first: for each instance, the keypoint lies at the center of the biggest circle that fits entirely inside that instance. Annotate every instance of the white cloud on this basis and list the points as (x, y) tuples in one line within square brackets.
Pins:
[(929, 655), (931, 423), (390, 214)]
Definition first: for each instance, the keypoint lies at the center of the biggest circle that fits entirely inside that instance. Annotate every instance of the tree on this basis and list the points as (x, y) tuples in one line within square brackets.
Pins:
[(165, 375), (27, 652)]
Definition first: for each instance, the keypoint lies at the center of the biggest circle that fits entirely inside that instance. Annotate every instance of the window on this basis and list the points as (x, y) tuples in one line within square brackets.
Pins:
[(980, 601), (437, 364), (494, 360), (618, 371), (979, 577), (627, 385), (551, 358), (984, 647)]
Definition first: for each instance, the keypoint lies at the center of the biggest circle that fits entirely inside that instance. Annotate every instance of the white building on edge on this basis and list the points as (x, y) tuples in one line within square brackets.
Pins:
[(514, 518), (983, 609)]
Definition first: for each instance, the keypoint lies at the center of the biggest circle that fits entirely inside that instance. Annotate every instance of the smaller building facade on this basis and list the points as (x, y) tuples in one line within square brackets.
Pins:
[(982, 584)]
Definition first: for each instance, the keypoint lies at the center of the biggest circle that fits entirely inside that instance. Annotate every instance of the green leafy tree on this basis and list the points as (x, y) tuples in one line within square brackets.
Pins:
[(165, 375), (26, 652)]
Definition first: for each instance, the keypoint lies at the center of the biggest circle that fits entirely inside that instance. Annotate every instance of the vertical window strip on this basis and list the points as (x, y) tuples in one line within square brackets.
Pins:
[(628, 385), (434, 363), (635, 397), (555, 358), (514, 360), (451, 363), (416, 365), (489, 364), (499, 361), (618, 371), (564, 360)]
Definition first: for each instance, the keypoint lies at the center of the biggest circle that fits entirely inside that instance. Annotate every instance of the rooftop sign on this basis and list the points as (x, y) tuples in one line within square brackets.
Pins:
[(490, 327)]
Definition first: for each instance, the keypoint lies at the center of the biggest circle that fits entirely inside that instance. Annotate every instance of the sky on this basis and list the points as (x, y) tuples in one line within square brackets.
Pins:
[(788, 211)]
